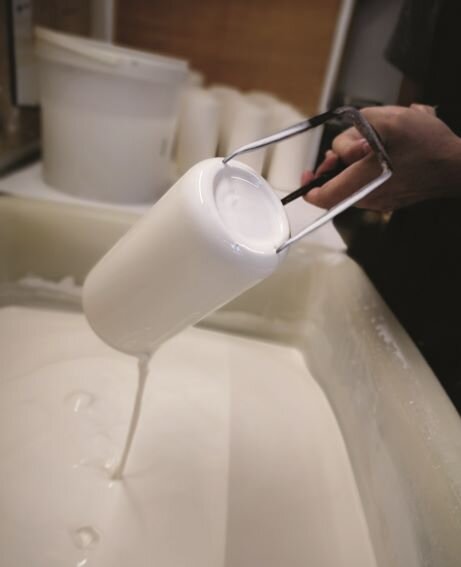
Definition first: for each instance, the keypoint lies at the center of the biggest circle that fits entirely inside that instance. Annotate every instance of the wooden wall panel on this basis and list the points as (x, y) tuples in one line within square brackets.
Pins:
[(73, 16), (272, 45)]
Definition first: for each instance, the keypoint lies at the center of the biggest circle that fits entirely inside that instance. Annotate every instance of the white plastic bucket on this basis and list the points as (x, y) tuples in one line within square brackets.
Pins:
[(108, 118)]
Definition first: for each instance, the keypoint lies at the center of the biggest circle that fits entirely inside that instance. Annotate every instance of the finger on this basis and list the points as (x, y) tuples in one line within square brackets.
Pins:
[(307, 177), (344, 184), (351, 149), (329, 162)]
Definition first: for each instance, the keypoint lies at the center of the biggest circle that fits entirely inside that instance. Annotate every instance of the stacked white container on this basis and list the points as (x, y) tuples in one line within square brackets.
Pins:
[(108, 117)]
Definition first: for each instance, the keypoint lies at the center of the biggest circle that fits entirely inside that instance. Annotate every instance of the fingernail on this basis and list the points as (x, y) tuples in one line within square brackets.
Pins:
[(313, 193), (365, 147)]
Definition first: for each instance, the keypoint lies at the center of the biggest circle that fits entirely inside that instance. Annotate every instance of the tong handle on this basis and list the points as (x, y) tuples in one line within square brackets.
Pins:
[(366, 130), (316, 182)]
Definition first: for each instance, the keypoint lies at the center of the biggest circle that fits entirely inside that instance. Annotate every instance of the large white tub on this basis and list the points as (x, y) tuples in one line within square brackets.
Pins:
[(401, 432)]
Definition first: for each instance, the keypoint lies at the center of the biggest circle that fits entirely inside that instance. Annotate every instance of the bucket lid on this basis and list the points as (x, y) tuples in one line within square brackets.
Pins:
[(102, 56)]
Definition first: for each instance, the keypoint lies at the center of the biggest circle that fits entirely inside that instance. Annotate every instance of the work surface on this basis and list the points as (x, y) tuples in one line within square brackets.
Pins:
[(238, 460)]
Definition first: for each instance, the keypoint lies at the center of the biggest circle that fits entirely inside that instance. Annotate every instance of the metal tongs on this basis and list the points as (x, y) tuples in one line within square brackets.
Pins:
[(346, 113)]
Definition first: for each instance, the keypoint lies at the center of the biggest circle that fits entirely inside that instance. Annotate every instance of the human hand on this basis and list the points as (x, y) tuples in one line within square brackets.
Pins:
[(425, 154)]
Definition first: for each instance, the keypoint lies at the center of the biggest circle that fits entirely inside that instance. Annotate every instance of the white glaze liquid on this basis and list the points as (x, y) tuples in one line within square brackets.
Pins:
[(143, 371), (238, 459)]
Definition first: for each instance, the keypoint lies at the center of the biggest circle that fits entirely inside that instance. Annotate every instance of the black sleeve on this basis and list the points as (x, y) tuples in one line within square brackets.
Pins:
[(410, 47)]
